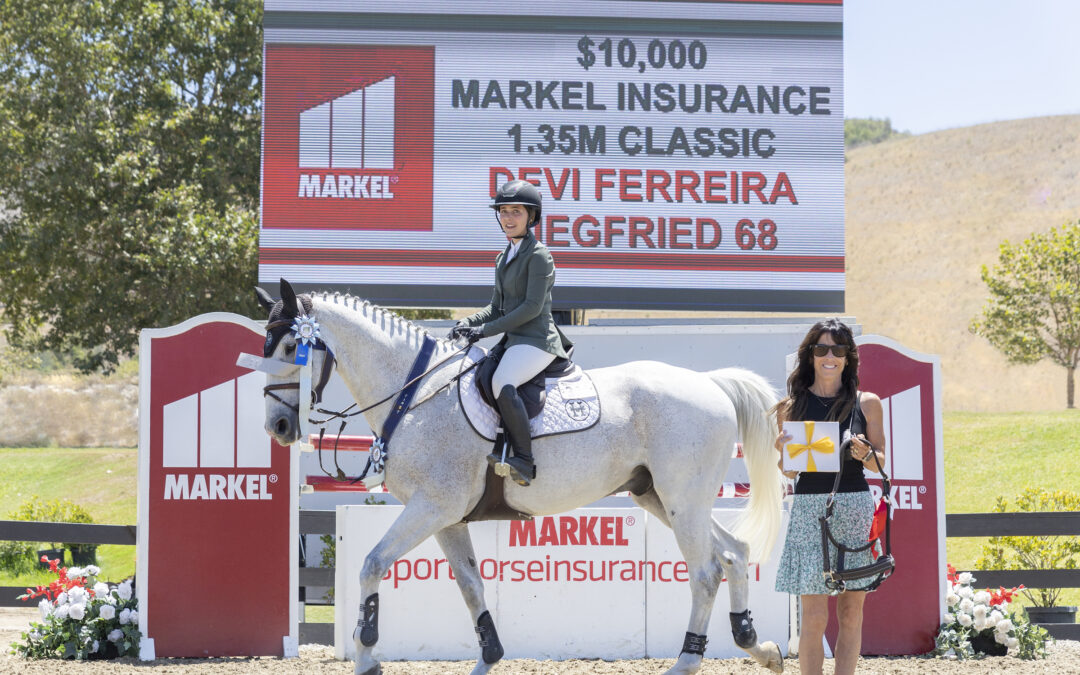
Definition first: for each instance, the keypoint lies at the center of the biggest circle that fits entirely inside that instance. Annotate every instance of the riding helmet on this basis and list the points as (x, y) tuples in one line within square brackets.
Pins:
[(519, 192)]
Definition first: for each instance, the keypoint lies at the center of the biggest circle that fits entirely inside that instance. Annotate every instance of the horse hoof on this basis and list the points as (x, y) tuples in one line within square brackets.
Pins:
[(374, 670), (776, 661)]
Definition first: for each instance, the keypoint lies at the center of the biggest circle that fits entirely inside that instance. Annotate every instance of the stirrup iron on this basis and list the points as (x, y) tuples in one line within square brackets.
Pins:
[(502, 469)]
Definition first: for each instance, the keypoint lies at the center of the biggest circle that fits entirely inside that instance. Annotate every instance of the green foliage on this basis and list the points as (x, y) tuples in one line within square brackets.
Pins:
[(1034, 307), (13, 360), (1013, 553), (1032, 639), (52, 511), (16, 557), (130, 146), (860, 131), (327, 558)]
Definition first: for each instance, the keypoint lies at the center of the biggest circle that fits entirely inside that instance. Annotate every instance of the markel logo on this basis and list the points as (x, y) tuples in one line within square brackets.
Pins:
[(348, 137), (571, 531), (218, 428), (902, 413), (354, 131)]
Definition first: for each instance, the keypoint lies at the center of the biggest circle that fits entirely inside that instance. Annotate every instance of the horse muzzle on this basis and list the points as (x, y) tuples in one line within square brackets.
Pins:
[(284, 429)]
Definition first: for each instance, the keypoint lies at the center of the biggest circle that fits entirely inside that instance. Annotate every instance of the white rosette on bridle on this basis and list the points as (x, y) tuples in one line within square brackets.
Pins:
[(305, 330)]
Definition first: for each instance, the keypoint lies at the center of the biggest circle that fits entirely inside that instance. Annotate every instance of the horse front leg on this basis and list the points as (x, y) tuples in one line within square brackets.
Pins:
[(416, 523), (457, 545), (733, 556)]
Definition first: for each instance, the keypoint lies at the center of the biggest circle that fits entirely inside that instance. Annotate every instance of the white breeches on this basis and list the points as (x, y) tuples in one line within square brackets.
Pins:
[(519, 364)]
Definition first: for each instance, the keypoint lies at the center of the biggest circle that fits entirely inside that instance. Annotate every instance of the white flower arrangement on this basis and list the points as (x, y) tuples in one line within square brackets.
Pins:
[(81, 617), (983, 618)]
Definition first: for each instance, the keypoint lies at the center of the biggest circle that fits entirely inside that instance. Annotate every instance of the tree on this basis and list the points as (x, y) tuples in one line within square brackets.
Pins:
[(1034, 307), (129, 147), (867, 131)]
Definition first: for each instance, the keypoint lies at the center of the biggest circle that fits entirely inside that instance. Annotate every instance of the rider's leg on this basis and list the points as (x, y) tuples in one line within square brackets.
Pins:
[(519, 364)]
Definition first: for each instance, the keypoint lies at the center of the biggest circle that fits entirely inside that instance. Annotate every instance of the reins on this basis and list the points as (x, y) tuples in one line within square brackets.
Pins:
[(836, 578), (345, 413)]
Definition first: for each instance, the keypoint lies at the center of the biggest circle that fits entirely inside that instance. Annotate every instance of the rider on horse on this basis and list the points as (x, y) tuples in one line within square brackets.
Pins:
[(521, 308)]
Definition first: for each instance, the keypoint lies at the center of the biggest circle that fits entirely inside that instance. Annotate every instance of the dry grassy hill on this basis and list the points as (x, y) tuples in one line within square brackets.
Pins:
[(924, 213)]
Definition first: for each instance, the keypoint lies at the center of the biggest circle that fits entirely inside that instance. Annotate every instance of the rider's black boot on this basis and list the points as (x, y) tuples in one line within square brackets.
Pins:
[(515, 422)]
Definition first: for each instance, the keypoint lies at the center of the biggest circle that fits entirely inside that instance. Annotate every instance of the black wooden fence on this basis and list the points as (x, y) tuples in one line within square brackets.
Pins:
[(324, 522)]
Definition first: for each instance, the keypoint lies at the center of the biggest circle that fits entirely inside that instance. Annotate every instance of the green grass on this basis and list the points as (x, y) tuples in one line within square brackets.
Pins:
[(319, 613), (991, 455), (101, 480), (987, 455)]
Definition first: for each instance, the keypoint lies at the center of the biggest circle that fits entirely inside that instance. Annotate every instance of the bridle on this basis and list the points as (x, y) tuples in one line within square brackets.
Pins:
[(317, 387)]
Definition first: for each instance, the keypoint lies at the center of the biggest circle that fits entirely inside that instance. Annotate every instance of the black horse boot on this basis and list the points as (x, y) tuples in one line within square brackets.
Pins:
[(515, 421)]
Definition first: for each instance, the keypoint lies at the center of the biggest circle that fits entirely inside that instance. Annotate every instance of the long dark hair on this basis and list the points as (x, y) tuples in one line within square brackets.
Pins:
[(798, 385)]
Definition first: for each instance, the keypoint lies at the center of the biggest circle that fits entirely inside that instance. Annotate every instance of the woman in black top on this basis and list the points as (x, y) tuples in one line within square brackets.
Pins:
[(824, 387)]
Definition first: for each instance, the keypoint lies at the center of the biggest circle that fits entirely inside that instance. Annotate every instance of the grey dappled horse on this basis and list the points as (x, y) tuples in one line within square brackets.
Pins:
[(677, 425)]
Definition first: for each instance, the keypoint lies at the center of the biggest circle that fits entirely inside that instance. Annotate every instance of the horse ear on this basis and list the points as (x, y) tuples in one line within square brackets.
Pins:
[(264, 299), (288, 296)]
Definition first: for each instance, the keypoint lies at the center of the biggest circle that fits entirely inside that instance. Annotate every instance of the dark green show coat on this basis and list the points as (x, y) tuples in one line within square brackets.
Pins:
[(521, 302)]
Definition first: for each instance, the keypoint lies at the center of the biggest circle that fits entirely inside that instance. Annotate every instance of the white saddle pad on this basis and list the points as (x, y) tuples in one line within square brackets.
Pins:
[(572, 403)]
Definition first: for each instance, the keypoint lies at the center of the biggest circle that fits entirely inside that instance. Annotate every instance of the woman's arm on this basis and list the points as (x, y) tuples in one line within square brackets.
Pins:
[(541, 273), (492, 311), (781, 440), (865, 447)]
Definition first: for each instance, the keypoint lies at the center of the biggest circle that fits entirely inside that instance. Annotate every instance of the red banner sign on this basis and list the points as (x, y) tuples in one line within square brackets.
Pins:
[(217, 513), (903, 615)]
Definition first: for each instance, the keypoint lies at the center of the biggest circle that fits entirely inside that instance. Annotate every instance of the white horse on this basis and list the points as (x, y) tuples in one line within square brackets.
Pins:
[(677, 425)]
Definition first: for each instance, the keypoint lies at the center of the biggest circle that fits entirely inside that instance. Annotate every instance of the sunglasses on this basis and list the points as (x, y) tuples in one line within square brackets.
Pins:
[(839, 351)]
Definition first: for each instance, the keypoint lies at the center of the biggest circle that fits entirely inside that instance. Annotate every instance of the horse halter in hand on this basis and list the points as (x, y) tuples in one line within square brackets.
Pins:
[(836, 578)]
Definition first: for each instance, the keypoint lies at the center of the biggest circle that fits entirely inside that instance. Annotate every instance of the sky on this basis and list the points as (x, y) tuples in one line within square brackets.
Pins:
[(929, 65)]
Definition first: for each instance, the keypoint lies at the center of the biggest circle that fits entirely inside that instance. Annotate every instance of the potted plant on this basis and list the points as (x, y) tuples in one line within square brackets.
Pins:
[(978, 622), (1041, 553), (81, 618)]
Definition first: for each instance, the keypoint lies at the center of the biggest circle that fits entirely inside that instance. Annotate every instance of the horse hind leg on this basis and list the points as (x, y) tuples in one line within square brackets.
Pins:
[(733, 555), (692, 528), (416, 523), (456, 544)]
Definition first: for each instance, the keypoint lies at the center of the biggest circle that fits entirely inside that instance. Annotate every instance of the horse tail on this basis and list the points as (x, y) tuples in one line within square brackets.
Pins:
[(759, 523)]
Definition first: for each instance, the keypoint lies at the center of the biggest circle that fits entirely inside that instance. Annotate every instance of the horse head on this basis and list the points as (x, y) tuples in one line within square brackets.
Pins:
[(290, 327)]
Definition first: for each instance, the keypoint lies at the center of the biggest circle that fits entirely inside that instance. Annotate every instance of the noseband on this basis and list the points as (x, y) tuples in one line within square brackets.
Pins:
[(316, 391)]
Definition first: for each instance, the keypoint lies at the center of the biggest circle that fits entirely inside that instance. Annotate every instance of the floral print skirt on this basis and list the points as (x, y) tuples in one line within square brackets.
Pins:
[(801, 565)]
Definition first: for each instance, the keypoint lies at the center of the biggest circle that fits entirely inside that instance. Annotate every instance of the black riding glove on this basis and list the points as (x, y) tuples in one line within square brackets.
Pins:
[(473, 334), (459, 329)]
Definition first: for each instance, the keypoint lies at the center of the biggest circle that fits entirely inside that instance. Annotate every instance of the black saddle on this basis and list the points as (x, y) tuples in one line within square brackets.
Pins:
[(533, 393)]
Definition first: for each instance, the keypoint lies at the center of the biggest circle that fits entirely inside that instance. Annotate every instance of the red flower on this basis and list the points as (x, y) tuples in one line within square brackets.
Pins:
[(54, 589), (1004, 596), (951, 576)]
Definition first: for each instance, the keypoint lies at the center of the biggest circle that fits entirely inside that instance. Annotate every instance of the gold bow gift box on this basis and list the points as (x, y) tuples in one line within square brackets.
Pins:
[(815, 446)]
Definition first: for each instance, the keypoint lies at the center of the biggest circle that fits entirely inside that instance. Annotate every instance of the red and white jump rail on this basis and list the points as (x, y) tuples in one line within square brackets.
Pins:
[(317, 483)]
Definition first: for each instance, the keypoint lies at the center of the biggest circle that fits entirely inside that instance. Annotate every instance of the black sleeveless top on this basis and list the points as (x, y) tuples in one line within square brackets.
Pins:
[(852, 478)]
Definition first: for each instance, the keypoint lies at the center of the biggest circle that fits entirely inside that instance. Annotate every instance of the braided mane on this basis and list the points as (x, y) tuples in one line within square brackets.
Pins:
[(376, 313)]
